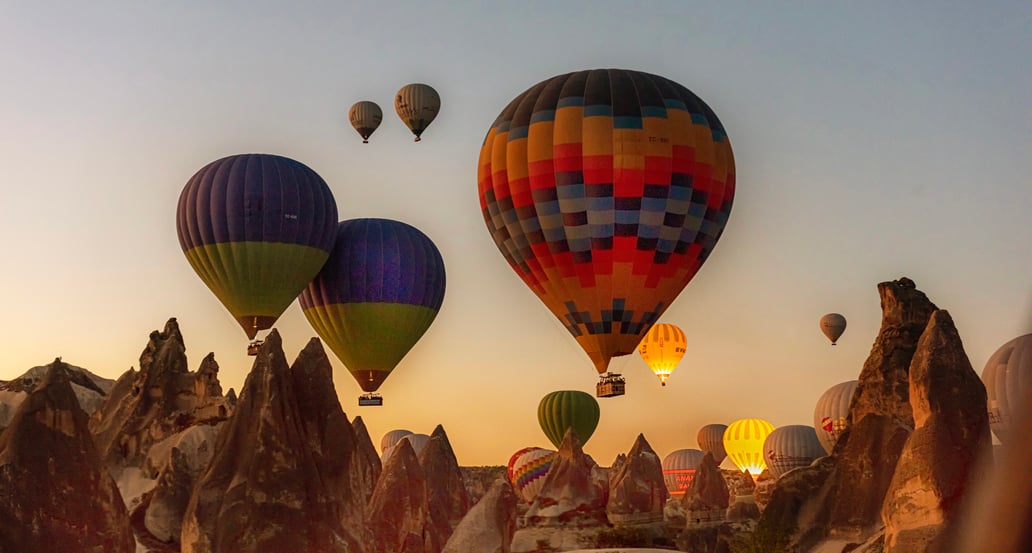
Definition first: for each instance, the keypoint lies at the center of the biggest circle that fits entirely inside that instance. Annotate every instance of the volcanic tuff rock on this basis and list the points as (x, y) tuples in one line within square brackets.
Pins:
[(637, 491), (938, 459), (739, 482), (488, 526), (446, 496), (707, 497), (55, 494), (570, 495), (791, 504), (178, 461), (89, 389), (398, 508), (365, 471), (278, 481), (478, 480)]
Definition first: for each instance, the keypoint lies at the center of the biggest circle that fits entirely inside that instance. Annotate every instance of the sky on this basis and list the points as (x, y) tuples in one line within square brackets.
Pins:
[(872, 141)]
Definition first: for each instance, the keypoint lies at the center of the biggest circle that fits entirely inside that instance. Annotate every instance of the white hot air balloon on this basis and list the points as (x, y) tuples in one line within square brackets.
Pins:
[(365, 117), (711, 440), (831, 412), (1008, 382), (417, 105), (391, 438), (529, 471), (417, 441), (790, 447), (679, 469), (833, 325)]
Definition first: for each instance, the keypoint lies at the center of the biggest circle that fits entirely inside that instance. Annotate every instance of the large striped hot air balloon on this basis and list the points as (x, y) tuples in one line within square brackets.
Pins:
[(831, 414), (711, 440), (679, 469), (743, 441), (606, 190), (790, 447), (365, 117), (417, 105), (662, 349), (376, 296), (564, 409), (256, 228), (529, 470), (1008, 382)]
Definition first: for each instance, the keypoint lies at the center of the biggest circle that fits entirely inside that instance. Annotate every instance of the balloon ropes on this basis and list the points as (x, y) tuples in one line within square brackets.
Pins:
[(377, 295), (606, 190), (256, 228)]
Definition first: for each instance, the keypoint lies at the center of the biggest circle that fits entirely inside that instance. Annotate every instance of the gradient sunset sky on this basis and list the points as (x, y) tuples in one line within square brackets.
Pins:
[(872, 140)]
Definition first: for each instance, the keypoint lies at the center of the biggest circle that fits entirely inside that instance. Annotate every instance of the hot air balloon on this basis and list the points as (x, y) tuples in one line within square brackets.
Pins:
[(565, 409), (833, 325), (417, 105), (256, 228), (743, 441), (831, 413), (662, 349), (529, 471), (1008, 382), (365, 116), (512, 460), (392, 438), (376, 296), (711, 440), (606, 190), (417, 441), (679, 469), (790, 447)]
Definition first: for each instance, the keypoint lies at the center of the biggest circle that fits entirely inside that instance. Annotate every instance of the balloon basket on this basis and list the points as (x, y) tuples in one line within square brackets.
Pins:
[(366, 400), (610, 385), (254, 347)]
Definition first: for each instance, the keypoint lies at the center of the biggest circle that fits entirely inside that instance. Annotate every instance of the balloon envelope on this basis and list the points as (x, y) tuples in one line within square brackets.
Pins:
[(417, 441), (831, 413), (256, 228), (679, 469), (565, 409), (833, 325), (606, 190), (378, 293), (417, 105), (790, 447), (529, 471), (1008, 381), (365, 117), (711, 440), (392, 438), (743, 441), (662, 349)]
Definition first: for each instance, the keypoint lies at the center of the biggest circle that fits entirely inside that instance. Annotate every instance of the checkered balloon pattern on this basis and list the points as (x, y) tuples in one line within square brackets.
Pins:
[(606, 190)]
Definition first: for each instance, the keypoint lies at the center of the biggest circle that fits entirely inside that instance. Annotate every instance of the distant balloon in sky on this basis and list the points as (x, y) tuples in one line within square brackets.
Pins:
[(565, 409), (378, 293), (679, 469), (743, 441), (662, 349), (529, 471), (790, 447), (365, 116), (392, 438), (1008, 382), (256, 228), (606, 190), (833, 325), (831, 412), (711, 440), (417, 105)]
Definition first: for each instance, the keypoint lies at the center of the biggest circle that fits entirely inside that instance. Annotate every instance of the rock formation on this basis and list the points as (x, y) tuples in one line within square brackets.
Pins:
[(365, 471), (278, 481), (637, 491), (951, 433), (178, 461), (446, 496), (739, 482), (398, 507), (765, 484), (706, 500), (489, 525), (55, 494), (478, 480)]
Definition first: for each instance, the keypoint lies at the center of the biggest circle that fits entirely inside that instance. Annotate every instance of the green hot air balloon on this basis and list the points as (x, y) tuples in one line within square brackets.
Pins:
[(568, 409)]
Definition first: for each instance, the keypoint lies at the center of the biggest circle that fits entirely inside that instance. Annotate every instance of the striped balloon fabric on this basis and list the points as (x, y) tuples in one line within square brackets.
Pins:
[(365, 117), (565, 409), (529, 471), (711, 440), (606, 190), (679, 468), (417, 105), (1008, 381), (256, 228), (662, 349), (831, 414), (790, 447), (743, 441)]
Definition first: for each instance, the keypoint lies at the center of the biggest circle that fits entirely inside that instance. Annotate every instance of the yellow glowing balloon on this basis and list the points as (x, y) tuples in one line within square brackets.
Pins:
[(662, 349), (743, 441)]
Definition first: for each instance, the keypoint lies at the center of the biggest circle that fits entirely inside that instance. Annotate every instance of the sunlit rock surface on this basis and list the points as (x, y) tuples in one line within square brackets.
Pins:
[(488, 527)]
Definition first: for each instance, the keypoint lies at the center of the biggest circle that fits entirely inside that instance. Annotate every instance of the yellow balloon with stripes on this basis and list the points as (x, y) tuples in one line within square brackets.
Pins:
[(743, 441), (662, 349)]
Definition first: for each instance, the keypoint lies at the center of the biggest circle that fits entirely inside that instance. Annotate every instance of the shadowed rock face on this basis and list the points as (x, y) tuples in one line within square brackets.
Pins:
[(55, 494), (938, 459), (365, 471), (278, 481), (489, 525), (637, 492), (398, 507), (707, 492), (447, 499)]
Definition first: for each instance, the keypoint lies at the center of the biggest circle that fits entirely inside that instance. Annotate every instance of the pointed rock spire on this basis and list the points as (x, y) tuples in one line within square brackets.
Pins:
[(398, 507), (637, 492), (447, 498)]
